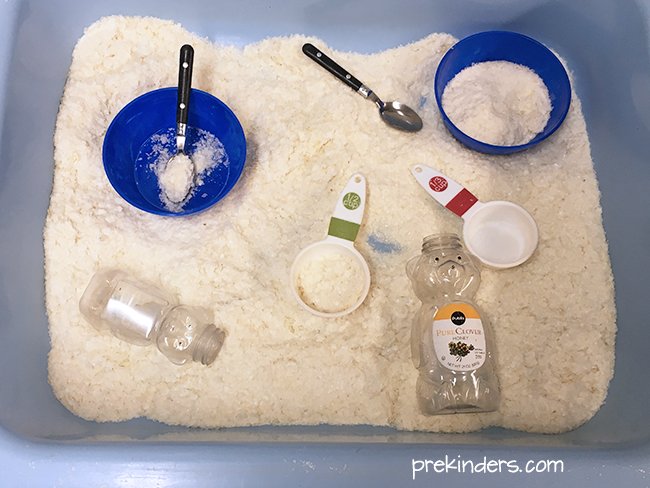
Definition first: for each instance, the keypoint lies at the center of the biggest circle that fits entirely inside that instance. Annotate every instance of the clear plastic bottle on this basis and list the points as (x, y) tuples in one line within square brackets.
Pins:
[(142, 313), (451, 343)]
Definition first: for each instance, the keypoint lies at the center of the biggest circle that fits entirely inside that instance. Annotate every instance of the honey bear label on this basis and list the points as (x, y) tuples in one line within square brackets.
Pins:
[(458, 337)]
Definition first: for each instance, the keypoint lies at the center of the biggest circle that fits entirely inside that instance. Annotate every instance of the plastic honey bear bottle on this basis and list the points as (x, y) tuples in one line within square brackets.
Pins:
[(142, 313), (450, 341)]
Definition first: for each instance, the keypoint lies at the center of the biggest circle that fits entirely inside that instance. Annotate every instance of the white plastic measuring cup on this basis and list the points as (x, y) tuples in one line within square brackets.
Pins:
[(343, 229), (501, 234)]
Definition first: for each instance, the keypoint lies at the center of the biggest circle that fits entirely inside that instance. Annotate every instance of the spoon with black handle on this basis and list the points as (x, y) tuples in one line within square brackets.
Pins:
[(395, 114), (180, 164)]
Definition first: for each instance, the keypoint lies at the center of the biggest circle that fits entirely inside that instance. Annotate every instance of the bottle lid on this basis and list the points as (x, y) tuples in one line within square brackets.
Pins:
[(208, 345)]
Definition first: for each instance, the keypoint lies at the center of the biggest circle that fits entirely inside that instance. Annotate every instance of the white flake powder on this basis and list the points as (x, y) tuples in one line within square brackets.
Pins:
[(498, 102), (175, 179), (179, 177), (281, 364), (331, 282)]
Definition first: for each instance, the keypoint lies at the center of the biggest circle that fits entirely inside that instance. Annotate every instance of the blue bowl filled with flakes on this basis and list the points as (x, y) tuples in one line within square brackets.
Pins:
[(515, 92)]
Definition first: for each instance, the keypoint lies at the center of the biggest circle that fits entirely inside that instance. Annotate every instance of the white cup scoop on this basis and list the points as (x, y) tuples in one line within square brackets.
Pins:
[(501, 234), (343, 229)]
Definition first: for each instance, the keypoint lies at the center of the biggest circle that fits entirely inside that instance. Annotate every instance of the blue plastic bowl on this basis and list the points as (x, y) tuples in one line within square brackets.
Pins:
[(155, 112), (516, 48)]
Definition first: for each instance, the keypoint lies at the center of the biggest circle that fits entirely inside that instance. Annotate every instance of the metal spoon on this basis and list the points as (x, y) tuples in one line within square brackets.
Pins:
[(394, 114), (185, 64)]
